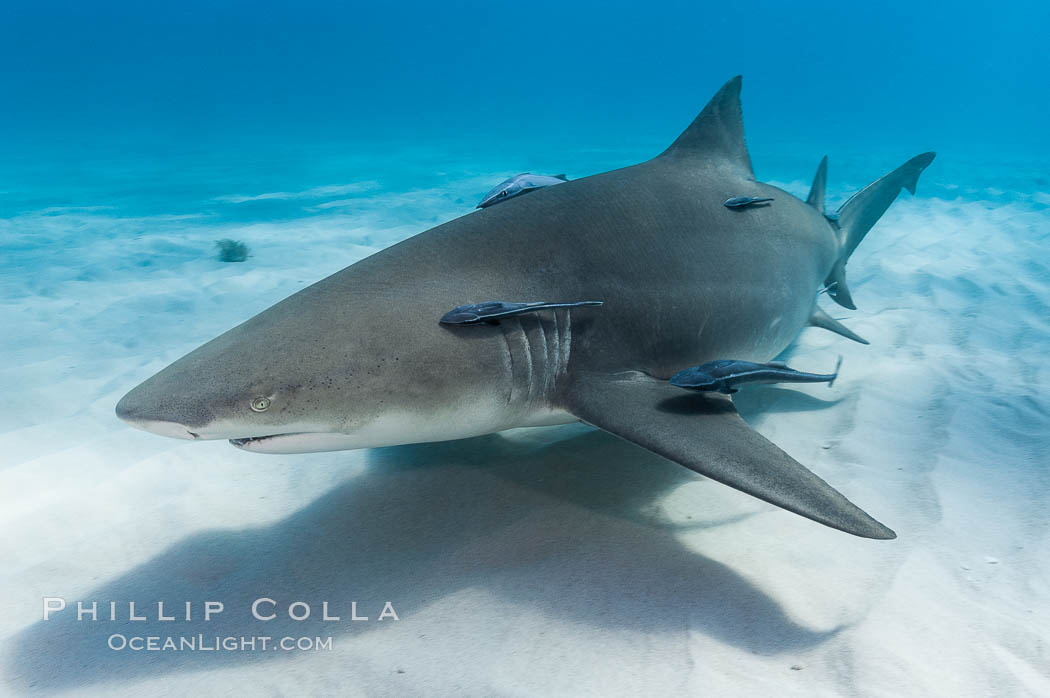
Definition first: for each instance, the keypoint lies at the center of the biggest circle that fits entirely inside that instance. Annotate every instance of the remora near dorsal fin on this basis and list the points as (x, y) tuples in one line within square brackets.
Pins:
[(826, 322), (562, 177), (704, 433), (820, 184), (718, 132)]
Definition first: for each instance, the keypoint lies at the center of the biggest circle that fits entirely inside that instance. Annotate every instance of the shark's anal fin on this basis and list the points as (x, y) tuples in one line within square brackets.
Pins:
[(704, 433), (824, 321)]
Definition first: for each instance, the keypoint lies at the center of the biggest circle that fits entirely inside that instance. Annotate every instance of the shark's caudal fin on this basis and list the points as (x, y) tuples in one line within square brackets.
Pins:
[(820, 185), (717, 133), (859, 214), (705, 434)]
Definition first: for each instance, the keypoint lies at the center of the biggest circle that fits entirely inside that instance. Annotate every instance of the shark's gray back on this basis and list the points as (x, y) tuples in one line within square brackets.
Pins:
[(684, 279)]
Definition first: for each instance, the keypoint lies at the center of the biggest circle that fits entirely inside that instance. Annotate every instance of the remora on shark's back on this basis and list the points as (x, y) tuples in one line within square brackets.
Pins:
[(360, 358), (517, 185)]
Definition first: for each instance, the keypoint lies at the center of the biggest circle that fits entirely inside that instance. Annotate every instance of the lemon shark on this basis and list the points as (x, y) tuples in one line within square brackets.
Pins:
[(614, 283)]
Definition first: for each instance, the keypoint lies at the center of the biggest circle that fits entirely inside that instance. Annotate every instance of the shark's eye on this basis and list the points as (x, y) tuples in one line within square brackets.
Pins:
[(503, 193), (261, 404)]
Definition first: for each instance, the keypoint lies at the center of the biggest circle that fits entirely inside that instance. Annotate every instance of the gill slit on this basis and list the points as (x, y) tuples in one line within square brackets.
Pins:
[(537, 356)]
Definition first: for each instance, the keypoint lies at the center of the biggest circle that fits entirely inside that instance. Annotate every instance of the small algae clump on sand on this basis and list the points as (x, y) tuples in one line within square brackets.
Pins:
[(231, 250)]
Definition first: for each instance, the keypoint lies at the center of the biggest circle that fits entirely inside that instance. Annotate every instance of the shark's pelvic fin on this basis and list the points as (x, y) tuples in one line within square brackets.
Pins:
[(824, 321), (859, 214), (717, 133), (562, 177), (820, 184), (705, 434)]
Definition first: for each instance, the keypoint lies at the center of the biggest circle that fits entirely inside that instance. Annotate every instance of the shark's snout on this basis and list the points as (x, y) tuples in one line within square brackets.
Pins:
[(141, 413)]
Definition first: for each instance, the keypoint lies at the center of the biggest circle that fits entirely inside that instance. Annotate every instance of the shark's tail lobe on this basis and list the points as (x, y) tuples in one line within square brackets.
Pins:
[(859, 214)]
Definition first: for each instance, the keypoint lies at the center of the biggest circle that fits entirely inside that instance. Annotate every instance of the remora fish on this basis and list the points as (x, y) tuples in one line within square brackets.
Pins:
[(745, 201), (360, 358), (519, 184), (723, 375)]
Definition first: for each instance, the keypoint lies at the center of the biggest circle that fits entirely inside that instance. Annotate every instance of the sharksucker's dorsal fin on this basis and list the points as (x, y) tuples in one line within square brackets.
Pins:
[(820, 184), (718, 132), (704, 433)]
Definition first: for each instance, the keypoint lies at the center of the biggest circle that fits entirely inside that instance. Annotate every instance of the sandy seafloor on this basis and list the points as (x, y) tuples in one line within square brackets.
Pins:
[(555, 561)]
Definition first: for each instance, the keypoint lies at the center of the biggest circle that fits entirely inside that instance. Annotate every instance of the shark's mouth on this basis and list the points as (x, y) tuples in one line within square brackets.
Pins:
[(297, 442)]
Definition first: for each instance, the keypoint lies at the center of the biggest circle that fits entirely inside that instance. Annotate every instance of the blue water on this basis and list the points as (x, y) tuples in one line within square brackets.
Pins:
[(160, 107)]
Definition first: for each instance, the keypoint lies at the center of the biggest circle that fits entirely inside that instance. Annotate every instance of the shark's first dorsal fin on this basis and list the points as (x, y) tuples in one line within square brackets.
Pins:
[(718, 132), (820, 183)]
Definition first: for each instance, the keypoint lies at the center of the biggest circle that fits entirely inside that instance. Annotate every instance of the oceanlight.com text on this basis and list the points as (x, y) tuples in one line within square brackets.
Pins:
[(217, 643)]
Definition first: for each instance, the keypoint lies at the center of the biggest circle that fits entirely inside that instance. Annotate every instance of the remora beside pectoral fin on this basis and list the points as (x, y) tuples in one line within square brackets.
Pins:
[(705, 434), (717, 133), (821, 319)]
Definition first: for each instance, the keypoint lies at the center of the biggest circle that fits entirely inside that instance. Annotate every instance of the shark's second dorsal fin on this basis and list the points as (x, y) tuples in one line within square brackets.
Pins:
[(717, 133), (820, 184)]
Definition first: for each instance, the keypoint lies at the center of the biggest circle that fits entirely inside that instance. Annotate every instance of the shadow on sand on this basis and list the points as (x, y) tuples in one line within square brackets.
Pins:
[(565, 527)]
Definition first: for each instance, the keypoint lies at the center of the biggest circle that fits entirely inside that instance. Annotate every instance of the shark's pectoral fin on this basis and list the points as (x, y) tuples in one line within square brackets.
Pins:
[(704, 433), (824, 321)]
